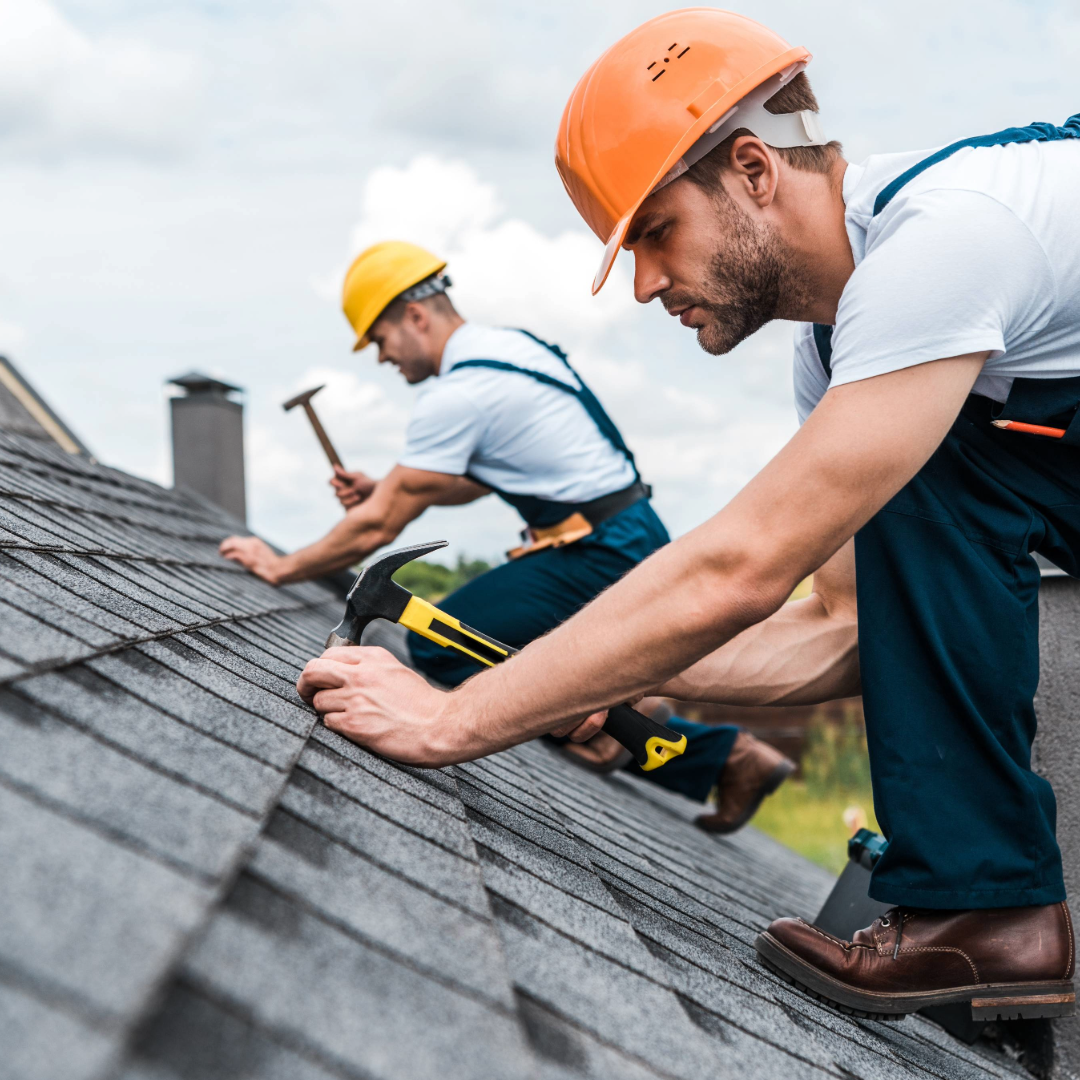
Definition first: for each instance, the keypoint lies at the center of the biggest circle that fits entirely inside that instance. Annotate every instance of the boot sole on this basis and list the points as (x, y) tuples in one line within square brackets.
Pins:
[(770, 784), (989, 1001)]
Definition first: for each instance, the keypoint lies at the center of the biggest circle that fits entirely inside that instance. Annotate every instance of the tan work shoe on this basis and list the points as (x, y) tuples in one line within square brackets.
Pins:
[(753, 770), (1008, 963)]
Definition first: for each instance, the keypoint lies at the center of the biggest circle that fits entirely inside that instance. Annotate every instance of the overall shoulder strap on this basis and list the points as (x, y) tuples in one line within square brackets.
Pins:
[(589, 401), (504, 365), (823, 343), (554, 349), (1039, 132)]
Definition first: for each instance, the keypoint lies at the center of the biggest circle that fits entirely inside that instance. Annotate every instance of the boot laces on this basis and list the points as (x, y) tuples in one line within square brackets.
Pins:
[(894, 914)]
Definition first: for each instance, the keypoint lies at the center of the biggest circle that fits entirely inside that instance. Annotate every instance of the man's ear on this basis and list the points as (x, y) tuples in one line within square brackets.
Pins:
[(418, 316), (754, 168)]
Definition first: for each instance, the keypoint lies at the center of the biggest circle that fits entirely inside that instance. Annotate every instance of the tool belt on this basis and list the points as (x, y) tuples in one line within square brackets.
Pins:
[(582, 519)]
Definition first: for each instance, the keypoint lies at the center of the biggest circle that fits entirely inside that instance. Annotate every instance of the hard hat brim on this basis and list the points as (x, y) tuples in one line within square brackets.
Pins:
[(706, 118)]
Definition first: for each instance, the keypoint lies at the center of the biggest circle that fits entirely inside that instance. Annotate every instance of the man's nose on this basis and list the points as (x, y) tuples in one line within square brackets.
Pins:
[(649, 279)]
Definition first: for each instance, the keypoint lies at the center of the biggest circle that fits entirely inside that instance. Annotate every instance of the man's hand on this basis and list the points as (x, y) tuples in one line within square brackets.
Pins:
[(366, 695), (581, 731), (351, 488), (254, 555)]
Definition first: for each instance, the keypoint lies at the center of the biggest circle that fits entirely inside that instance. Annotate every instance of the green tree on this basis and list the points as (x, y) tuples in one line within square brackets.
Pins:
[(433, 581)]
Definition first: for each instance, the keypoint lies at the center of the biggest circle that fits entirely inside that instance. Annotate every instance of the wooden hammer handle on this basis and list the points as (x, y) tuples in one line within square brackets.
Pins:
[(323, 438)]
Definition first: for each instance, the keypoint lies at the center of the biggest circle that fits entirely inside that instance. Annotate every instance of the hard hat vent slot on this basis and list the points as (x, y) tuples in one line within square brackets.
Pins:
[(667, 59)]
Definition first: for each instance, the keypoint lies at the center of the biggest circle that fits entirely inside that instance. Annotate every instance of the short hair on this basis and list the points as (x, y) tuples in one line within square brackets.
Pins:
[(440, 304), (793, 97)]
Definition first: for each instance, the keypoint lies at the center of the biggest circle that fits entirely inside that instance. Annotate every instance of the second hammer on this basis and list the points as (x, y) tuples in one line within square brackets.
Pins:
[(304, 399)]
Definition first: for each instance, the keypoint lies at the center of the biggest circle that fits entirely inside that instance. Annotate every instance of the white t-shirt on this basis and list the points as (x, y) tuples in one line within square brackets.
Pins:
[(981, 252), (507, 429)]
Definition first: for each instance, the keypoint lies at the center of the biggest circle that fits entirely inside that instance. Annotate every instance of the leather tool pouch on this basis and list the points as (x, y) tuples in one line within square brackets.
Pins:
[(567, 531)]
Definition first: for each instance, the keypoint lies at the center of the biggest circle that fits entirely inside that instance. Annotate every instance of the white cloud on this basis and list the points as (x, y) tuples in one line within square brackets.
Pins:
[(505, 270), (62, 90)]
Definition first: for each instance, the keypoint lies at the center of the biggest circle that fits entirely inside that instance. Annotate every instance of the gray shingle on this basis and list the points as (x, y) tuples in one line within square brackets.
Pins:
[(184, 660), (169, 615), (64, 617), (458, 945), (194, 1038), (619, 1006), (183, 697), (565, 1051), (20, 521), (448, 871), (34, 642), (241, 665), (59, 581), (85, 913), (90, 701), (234, 638), (94, 782), (310, 982), (40, 1042)]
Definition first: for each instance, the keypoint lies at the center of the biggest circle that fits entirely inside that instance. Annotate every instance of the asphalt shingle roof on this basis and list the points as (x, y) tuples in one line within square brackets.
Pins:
[(200, 881)]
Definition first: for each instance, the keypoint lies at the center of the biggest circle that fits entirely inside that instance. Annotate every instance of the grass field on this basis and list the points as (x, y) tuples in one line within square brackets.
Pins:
[(817, 813), (813, 823)]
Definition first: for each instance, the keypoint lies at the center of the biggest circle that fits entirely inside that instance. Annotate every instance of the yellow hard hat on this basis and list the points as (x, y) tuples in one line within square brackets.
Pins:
[(378, 276)]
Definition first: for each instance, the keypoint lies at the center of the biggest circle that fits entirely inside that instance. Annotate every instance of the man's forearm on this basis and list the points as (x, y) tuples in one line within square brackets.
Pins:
[(807, 652), (802, 655), (350, 541)]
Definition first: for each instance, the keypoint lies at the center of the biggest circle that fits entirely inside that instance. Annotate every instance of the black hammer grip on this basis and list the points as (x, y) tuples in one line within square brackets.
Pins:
[(651, 743)]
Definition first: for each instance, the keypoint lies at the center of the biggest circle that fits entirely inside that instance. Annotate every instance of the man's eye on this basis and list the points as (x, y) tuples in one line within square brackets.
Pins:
[(654, 234)]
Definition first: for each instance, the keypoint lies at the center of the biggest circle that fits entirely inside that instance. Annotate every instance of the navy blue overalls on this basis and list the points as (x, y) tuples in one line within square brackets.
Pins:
[(948, 638), (525, 598)]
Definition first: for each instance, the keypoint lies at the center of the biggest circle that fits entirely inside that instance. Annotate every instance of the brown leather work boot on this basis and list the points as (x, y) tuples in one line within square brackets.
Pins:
[(752, 771), (1008, 963)]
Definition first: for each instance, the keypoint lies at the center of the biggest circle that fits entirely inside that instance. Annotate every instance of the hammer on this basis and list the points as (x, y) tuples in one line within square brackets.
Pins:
[(375, 595), (305, 400)]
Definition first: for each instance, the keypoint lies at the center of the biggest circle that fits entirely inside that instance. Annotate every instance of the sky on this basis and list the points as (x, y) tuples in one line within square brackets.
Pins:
[(183, 183)]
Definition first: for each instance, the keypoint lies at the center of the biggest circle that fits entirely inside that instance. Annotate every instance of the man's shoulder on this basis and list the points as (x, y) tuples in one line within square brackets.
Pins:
[(504, 345)]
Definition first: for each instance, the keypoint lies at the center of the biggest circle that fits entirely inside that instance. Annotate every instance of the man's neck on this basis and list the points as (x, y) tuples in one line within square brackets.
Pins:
[(818, 243), (441, 334)]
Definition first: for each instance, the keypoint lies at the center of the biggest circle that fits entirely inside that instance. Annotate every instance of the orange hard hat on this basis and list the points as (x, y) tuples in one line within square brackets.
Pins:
[(654, 95)]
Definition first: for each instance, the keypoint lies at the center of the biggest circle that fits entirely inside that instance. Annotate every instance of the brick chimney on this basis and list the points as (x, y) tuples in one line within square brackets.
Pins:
[(208, 441)]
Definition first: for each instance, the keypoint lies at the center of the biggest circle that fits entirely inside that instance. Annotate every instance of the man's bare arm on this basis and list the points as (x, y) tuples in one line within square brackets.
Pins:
[(862, 443), (400, 497), (805, 653)]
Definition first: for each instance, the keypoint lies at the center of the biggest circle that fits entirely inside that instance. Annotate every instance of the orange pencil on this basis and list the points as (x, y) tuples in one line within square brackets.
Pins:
[(1030, 429)]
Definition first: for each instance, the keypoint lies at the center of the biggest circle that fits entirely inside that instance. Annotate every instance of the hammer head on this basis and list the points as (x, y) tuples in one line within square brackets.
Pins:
[(375, 595), (302, 399)]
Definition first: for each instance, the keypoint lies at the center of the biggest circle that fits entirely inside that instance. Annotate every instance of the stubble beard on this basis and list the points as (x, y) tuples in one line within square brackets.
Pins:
[(753, 281)]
